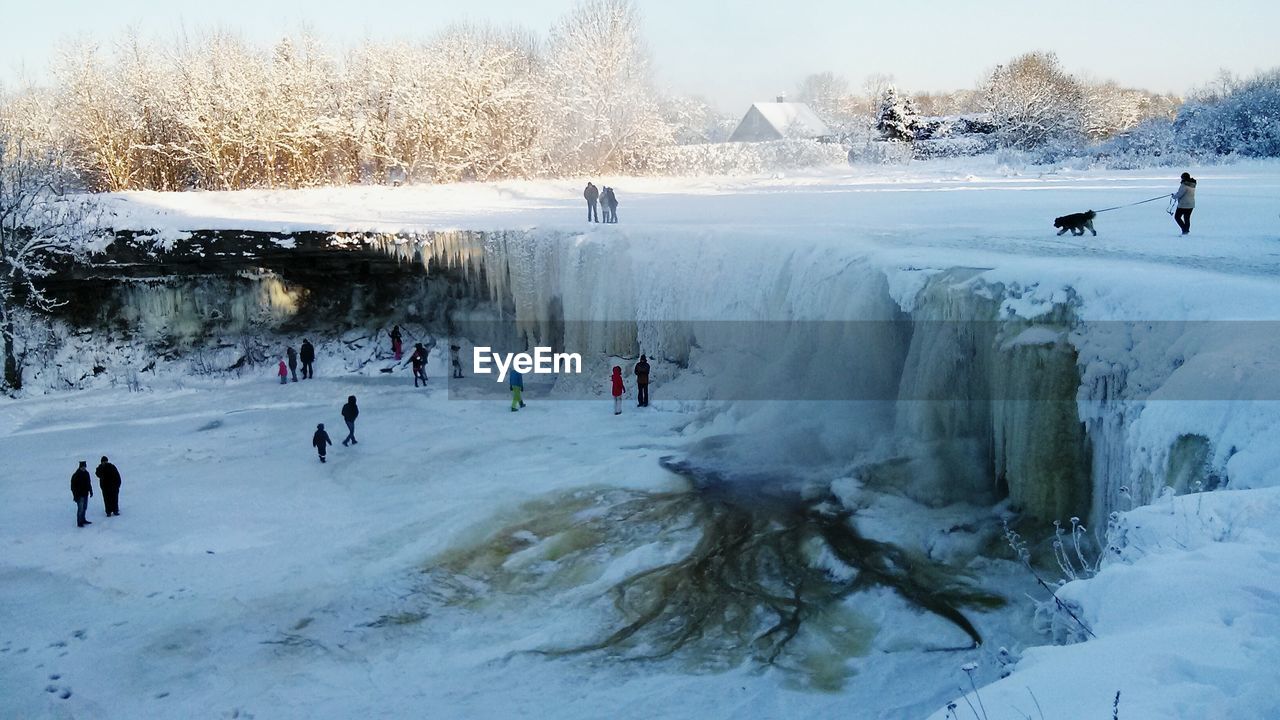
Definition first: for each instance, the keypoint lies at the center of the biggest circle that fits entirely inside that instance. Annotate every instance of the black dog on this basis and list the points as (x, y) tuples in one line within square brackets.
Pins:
[(1076, 223)]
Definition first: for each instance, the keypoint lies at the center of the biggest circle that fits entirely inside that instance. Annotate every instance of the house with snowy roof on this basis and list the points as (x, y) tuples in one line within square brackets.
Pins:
[(780, 120)]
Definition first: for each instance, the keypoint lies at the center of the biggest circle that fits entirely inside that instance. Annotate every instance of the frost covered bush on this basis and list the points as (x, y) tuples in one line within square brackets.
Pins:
[(1150, 144), (748, 158), (1245, 121), (950, 147), (881, 153)]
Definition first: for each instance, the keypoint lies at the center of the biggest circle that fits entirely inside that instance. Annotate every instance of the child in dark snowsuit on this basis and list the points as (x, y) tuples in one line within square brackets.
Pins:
[(456, 360), (618, 389), (321, 440)]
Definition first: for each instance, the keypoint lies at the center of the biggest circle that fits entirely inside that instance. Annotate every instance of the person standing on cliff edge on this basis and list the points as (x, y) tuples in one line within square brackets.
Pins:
[(592, 194)]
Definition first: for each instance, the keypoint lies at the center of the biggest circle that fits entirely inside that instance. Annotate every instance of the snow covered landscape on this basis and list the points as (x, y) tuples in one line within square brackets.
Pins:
[(432, 567), (946, 395)]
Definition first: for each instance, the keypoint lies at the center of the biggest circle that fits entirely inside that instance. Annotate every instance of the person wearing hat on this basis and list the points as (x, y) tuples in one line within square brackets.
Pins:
[(308, 357), (321, 440), (109, 483), (1186, 197), (641, 372), (81, 491), (349, 414)]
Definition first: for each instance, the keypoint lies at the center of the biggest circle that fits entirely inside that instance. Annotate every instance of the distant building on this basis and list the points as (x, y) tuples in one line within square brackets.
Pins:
[(781, 120)]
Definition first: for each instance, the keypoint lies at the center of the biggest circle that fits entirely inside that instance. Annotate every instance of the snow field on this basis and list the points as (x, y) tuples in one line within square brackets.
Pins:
[(245, 578)]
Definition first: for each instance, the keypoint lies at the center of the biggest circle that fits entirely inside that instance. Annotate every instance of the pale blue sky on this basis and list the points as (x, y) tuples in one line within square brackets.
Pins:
[(734, 51)]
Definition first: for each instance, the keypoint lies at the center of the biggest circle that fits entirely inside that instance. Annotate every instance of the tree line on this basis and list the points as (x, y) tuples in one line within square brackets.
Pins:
[(473, 103), (1027, 102)]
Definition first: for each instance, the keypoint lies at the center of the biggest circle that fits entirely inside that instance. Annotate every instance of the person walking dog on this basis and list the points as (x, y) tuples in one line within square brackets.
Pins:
[(1186, 197)]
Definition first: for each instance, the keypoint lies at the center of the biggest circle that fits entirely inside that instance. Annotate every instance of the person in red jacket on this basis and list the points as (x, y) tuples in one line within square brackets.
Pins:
[(283, 372), (618, 389)]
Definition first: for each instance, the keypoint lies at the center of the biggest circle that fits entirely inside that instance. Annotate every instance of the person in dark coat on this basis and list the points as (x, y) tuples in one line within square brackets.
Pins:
[(642, 382), (1186, 198), (292, 355), (592, 194), (109, 483), (81, 491), (419, 362), (321, 440), (307, 356), (609, 201), (397, 342), (349, 413)]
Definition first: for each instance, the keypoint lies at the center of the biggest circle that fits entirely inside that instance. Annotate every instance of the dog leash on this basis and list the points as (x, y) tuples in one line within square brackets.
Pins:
[(1140, 202)]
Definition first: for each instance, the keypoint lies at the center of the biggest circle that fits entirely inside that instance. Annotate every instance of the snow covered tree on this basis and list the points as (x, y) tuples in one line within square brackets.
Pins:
[(599, 111), (38, 223), (693, 121), (1238, 118), (1033, 101), (828, 95), (896, 120)]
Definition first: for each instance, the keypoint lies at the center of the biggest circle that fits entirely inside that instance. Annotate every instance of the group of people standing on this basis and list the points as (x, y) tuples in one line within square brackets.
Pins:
[(82, 489), (418, 358), (619, 388), (289, 363), (606, 199)]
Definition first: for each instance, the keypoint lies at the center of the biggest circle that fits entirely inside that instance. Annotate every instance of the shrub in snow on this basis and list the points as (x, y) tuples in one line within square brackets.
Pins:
[(1150, 144), (949, 147), (879, 152), (748, 158)]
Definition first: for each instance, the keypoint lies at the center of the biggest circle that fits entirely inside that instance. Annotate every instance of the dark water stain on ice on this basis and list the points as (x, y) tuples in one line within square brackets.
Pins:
[(738, 571)]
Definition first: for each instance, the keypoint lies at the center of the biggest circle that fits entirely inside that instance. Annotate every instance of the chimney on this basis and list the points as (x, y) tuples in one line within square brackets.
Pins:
[(782, 97)]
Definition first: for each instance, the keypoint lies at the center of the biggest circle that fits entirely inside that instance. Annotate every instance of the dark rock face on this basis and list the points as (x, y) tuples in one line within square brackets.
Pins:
[(219, 281)]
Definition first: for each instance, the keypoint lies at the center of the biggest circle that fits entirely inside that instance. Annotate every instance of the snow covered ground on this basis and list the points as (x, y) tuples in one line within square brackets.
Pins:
[(245, 579)]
